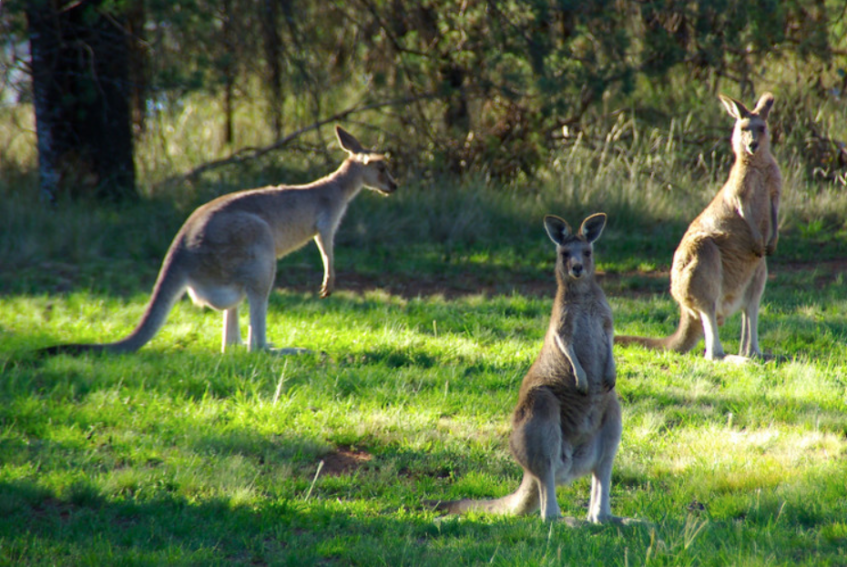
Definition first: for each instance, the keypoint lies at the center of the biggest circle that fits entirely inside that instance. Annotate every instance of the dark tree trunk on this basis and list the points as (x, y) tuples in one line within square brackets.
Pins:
[(456, 116), (273, 56), (138, 63), (228, 72), (81, 93)]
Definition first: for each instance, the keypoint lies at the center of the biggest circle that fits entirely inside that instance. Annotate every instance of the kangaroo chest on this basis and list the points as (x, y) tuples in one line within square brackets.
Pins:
[(583, 327)]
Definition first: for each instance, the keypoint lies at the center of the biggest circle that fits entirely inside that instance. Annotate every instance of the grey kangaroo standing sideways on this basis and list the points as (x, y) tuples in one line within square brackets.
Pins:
[(567, 422), (719, 266), (227, 249)]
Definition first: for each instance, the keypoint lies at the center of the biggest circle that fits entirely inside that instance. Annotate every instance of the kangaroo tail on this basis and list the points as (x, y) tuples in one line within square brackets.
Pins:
[(169, 287), (686, 336), (525, 500)]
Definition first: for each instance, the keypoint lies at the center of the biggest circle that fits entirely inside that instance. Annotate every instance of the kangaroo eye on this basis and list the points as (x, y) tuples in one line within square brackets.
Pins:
[(587, 253)]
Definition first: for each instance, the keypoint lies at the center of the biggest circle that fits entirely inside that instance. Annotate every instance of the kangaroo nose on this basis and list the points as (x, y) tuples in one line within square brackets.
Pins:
[(752, 147), (577, 270), (389, 187)]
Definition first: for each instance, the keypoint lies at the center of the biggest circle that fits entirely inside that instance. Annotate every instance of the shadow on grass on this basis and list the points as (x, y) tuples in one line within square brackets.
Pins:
[(177, 531), (363, 519)]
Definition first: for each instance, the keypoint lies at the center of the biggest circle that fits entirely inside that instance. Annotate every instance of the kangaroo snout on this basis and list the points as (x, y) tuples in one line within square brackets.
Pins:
[(376, 175), (390, 187), (752, 147), (577, 270)]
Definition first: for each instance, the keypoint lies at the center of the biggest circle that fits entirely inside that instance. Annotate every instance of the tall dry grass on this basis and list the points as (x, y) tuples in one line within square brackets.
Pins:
[(642, 175)]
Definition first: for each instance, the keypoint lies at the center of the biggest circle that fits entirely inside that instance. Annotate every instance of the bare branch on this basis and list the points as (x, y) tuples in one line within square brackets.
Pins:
[(246, 154)]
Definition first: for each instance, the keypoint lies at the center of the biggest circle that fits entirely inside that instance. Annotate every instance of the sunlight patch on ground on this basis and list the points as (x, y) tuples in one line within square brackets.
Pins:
[(752, 458)]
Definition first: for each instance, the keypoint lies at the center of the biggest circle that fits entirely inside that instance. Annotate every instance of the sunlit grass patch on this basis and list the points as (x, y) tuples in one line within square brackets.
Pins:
[(181, 454)]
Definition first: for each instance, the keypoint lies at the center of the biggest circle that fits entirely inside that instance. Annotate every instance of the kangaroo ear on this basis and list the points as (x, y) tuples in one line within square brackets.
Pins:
[(763, 107), (593, 226), (735, 108), (557, 229), (348, 141)]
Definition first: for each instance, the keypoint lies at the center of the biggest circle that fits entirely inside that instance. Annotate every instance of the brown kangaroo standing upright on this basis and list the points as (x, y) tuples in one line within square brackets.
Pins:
[(719, 266), (567, 422), (227, 249)]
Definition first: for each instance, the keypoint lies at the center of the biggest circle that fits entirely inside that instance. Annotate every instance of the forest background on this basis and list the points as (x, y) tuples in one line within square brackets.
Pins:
[(454, 87), (494, 114)]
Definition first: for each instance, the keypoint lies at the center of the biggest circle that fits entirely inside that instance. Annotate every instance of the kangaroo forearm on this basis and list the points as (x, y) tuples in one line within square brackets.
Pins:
[(749, 216), (610, 376), (578, 371), (771, 247)]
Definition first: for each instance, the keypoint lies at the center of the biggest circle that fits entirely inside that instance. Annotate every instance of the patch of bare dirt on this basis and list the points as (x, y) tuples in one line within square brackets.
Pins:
[(343, 461), (634, 283), (470, 284), (825, 272), (452, 287)]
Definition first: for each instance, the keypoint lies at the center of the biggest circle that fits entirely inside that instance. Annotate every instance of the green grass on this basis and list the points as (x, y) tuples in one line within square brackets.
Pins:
[(180, 455)]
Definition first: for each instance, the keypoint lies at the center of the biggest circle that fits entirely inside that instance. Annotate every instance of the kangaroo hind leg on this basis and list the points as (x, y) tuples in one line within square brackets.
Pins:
[(547, 496), (208, 293), (536, 444), (750, 314), (258, 294), (714, 348), (599, 507), (231, 331), (696, 284)]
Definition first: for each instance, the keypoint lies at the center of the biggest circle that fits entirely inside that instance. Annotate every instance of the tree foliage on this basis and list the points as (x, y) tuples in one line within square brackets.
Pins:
[(485, 85)]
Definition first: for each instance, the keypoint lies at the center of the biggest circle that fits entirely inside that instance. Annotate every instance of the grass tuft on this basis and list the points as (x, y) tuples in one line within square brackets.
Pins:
[(181, 455)]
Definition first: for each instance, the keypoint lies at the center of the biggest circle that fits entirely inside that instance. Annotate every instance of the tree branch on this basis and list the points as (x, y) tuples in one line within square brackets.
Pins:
[(251, 153)]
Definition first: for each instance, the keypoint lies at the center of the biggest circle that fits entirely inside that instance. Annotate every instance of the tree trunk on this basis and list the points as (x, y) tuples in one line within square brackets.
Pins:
[(229, 61), (273, 57), (138, 63), (81, 93)]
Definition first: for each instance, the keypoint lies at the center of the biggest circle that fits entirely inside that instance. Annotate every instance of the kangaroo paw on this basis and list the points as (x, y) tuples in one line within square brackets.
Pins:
[(581, 381)]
